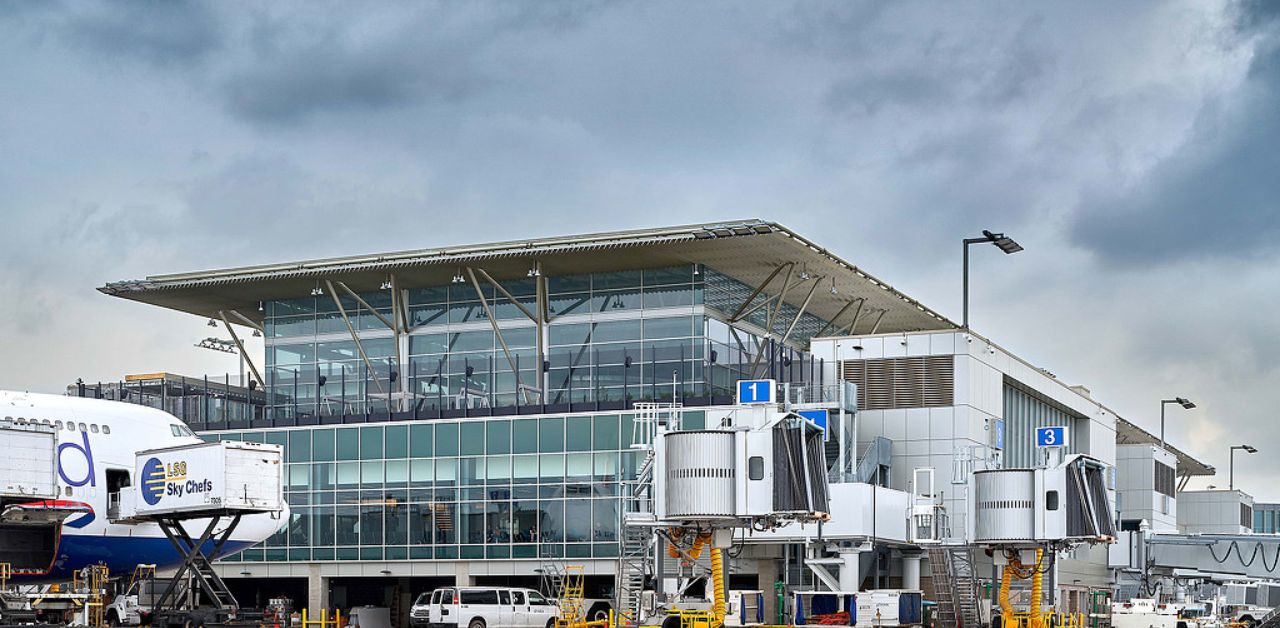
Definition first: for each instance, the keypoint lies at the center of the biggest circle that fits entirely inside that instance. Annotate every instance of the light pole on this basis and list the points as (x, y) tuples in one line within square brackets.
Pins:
[(1003, 242), (1182, 401), (1231, 478)]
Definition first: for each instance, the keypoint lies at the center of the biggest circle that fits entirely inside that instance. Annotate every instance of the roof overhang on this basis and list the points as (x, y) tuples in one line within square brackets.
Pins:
[(1129, 434), (747, 250)]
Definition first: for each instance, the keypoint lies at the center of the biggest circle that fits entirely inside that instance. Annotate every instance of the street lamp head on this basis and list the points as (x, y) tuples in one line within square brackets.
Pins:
[(1002, 241), (1184, 402), (1249, 449)]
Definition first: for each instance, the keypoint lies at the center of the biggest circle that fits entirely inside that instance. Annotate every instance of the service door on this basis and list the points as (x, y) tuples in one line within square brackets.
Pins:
[(506, 613), (441, 599), (519, 609)]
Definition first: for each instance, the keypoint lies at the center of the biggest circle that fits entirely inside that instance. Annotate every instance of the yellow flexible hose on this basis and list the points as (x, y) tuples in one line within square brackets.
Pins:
[(676, 534), (695, 552), (1037, 582), (1006, 607), (717, 576)]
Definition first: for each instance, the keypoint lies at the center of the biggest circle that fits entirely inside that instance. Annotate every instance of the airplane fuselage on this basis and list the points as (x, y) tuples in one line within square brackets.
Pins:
[(97, 442)]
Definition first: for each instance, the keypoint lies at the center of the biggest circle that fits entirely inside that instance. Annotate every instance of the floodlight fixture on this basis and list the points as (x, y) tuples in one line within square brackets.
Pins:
[(1002, 241)]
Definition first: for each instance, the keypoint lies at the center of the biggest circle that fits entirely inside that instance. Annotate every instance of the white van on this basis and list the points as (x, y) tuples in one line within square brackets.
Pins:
[(483, 607)]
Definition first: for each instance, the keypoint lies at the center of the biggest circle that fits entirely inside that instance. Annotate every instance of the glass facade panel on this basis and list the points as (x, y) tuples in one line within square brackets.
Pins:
[(446, 489), (616, 336)]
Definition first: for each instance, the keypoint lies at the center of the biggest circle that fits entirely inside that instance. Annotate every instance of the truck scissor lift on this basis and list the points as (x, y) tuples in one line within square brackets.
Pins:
[(213, 486)]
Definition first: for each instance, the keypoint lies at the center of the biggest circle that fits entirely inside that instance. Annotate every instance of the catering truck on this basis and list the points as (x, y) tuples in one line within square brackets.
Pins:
[(199, 479)]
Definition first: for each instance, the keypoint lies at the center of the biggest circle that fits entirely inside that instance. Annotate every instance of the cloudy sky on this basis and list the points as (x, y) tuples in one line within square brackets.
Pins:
[(1132, 147)]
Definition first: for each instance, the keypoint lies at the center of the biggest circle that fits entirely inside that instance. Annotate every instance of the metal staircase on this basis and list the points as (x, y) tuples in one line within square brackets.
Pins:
[(955, 585), (636, 530), (635, 555)]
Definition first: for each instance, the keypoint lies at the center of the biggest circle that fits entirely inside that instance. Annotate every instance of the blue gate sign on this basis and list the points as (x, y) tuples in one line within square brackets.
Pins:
[(818, 418), (756, 391), (998, 436), (1051, 436)]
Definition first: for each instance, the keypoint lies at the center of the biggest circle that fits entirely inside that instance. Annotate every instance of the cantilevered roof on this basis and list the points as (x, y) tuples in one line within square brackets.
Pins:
[(747, 250), (1129, 434)]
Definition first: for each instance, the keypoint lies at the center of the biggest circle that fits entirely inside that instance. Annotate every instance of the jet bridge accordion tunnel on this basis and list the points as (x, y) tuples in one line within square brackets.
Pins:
[(1065, 504), (741, 476)]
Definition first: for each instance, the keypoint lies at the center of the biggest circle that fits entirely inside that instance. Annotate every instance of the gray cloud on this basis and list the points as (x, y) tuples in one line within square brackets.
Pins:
[(1219, 197), (161, 33), (421, 55)]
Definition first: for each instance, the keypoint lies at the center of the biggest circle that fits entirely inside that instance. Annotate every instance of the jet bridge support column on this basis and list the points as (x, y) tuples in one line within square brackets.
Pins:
[(317, 591), (849, 579), (911, 570)]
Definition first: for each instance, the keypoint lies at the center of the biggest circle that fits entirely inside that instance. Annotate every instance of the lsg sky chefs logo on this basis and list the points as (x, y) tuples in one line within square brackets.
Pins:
[(160, 480)]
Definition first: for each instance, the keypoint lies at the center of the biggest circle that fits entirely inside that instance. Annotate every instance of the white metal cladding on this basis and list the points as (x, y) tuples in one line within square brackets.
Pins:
[(1004, 503), (700, 474)]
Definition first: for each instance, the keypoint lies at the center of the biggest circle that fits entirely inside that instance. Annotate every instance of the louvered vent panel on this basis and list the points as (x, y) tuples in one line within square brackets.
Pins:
[(890, 383)]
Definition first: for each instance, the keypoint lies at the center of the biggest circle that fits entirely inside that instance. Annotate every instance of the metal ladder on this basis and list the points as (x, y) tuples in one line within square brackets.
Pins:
[(955, 584), (572, 603)]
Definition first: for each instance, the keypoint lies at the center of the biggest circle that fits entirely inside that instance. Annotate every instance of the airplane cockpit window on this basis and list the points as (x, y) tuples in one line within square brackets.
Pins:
[(181, 430)]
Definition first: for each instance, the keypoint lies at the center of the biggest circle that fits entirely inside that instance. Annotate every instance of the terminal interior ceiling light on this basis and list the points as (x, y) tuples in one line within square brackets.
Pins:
[(386, 284), (457, 276), (316, 291)]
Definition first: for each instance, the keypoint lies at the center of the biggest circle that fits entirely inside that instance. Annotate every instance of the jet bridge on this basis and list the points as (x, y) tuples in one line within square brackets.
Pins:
[(1223, 556)]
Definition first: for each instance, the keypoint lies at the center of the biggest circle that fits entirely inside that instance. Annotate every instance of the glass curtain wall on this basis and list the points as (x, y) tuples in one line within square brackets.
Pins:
[(529, 487), (613, 337)]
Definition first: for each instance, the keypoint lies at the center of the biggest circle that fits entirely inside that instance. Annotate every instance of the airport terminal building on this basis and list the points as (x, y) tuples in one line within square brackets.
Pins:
[(466, 414)]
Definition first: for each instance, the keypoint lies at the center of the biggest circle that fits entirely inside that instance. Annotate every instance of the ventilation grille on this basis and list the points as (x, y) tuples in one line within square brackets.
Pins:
[(1165, 479), (891, 383)]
